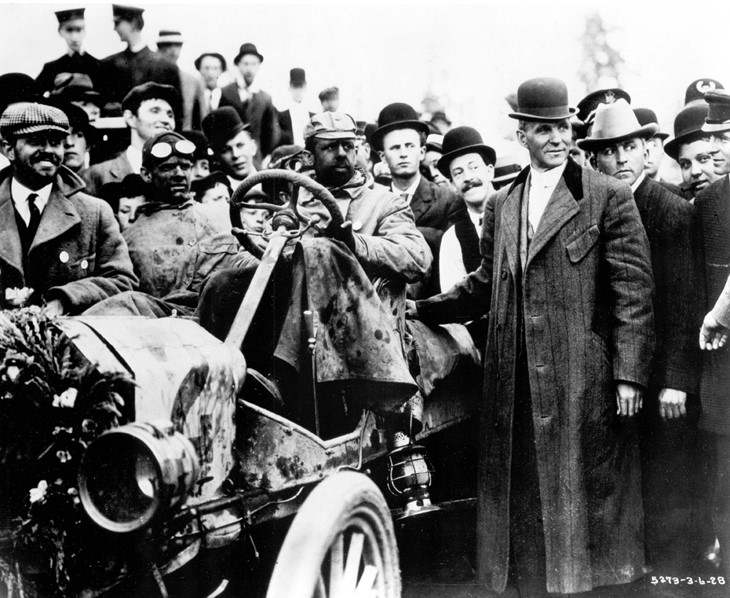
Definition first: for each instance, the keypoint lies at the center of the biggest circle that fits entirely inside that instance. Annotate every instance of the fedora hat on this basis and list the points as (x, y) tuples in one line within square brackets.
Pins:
[(718, 115), (687, 127), (587, 106), (247, 48), (542, 99), (646, 116), (460, 141), (613, 123), (396, 116)]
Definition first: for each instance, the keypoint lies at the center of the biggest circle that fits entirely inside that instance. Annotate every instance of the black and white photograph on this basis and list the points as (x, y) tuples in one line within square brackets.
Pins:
[(385, 299)]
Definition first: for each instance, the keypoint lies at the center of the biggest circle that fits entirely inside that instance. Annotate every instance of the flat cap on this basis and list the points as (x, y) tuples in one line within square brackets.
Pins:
[(25, 118), (331, 125), (718, 116), (69, 15), (150, 91)]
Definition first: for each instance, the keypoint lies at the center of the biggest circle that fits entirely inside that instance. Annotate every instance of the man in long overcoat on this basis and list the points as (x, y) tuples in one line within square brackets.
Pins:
[(567, 278)]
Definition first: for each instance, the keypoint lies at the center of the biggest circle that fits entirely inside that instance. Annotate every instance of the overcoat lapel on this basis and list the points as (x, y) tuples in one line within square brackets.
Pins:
[(511, 223), (11, 251), (58, 216), (560, 208), (421, 200)]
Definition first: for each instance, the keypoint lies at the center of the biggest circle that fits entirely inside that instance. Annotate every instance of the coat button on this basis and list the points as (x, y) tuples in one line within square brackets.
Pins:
[(504, 275), (357, 225), (63, 257), (84, 264)]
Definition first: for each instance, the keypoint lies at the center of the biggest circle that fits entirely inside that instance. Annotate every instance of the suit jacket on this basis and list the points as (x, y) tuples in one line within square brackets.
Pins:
[(672, 226), (580, 308), (259, 113), (125, 70), (110, 171), (713, 205), (286, 127), (193, 101), (78, 254), (79, 63)]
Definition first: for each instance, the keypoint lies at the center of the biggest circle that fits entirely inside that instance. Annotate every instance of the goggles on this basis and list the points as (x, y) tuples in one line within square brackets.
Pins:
[(164, 149)]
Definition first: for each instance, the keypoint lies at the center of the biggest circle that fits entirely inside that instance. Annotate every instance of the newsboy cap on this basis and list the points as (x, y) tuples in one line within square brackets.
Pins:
[(331, 125), (542, 99), (25, 118), (221, 125), (393, 117), (718, 116), (150, 91), (460, 141), (687, 127), (69, 15)]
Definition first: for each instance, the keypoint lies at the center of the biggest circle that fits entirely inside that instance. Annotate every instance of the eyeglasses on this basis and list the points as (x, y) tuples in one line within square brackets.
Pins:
[(164, 149)]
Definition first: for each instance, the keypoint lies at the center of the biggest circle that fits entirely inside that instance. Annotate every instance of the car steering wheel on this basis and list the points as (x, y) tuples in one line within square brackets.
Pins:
[(287, 216)]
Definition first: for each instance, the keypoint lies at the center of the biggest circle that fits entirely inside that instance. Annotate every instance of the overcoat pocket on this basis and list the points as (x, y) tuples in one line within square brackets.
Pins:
[(579, 247)]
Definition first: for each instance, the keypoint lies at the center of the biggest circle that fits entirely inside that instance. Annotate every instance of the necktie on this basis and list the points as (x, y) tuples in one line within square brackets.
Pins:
[(35, 214)]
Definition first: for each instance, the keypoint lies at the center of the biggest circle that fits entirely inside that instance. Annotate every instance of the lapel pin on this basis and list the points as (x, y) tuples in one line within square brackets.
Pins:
[(63, 257), (357, 225), (84, 264)]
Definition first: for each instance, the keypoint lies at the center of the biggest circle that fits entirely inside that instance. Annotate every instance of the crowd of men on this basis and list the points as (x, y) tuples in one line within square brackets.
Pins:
[(598, 293)]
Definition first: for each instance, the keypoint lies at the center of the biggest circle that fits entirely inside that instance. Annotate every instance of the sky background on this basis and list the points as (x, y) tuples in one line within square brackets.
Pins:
[(470, 55)]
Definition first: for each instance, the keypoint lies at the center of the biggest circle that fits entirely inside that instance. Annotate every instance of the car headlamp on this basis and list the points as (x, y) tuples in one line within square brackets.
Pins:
[(131, 475)]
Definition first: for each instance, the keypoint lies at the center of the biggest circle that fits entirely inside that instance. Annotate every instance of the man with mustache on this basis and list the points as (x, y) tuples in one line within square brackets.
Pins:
[(174, 243), (470, 166), (566, 279), (147, 111), (57, 241), (400, 140), (617, 145)]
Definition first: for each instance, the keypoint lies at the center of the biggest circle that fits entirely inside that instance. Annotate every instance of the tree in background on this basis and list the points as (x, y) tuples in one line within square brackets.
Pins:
[(602, 64)]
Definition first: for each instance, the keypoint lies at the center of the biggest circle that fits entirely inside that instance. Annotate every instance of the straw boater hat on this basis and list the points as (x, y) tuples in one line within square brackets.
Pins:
[(614, 123)]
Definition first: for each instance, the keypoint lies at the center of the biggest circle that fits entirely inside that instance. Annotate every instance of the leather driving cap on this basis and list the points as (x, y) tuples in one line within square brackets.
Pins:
[(542, 99), (613, 123), (331, 125)]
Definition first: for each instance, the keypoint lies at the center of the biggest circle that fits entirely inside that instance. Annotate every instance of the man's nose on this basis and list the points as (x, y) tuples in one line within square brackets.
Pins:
[(68, 142), (695, 169)]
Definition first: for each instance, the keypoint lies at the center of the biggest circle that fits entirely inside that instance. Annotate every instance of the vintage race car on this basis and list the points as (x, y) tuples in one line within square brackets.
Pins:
[(181, 480)]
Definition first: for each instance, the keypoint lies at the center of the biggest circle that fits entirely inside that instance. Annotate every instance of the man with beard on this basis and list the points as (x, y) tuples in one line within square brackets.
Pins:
[(232, 144), (254, 105), (58, 242), (470, 166), (618, 147), (566, 278), (148, 110), (378, 240), (174, 244), (400, 141), (691, 148)]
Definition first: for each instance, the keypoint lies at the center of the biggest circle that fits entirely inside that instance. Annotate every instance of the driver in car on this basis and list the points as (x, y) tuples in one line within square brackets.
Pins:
[(353, 279)]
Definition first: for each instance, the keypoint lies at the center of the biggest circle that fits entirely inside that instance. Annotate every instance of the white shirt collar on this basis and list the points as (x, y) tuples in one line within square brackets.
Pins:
[(253, 88), (134, 156), (137, 47), (549, 178), (638, 182), (476, 219), (20, 193), (411, 191), (71, 53)]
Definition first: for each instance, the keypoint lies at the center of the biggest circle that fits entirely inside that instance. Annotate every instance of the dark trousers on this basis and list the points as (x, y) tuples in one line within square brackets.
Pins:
[(719, 460)]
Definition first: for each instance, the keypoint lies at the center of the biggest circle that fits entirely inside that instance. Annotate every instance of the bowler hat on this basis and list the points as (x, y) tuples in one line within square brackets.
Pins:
[(199, 59), (396, 116), (587, 106), (542, 99), (718, 115), (687, 127), (460, 141), (646, 116), (202, 148), (150, 91), (247, 48), (331, 125), (25, 118), (169, 36), (69, 15), (698, 88), (297, 77), (613, 123), (17, 87), (126, 12), (222, 125)]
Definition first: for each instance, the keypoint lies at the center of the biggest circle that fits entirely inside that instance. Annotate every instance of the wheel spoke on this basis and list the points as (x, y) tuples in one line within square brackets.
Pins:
[(320, 591), (354, 555), (367, 582), (337, 565)]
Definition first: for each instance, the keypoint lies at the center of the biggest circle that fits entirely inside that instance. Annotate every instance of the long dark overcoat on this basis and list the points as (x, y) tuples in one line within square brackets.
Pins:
[(588, 322)]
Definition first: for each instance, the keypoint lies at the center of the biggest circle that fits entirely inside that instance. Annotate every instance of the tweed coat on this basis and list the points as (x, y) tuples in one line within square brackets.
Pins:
[(713, 204), (588, 323), (672, 226), (109, 171), (78, 254), (259, 113)]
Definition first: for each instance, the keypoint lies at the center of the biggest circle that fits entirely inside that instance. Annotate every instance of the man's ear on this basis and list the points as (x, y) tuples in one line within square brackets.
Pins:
[(521, 139), (423, 153), (382, 156), (130, 119), (8, 149), (593, 161), (145, 174), (307, 158), (490, 169)]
